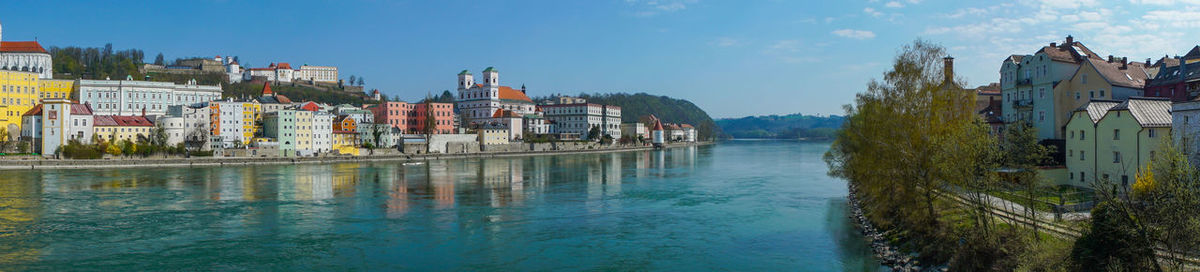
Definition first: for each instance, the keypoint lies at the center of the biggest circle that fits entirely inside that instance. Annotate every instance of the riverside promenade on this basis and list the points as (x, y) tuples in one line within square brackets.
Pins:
[(31, 162)]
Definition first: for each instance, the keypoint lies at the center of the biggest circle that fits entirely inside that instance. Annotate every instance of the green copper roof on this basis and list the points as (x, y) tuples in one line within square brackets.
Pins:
[(464, 72), (490, 69)]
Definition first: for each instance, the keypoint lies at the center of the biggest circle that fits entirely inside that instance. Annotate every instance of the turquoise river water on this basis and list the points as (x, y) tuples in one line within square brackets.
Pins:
[(737, 205)]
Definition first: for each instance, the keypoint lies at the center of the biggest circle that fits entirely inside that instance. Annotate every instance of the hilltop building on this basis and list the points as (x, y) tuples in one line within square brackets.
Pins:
[(25, 56)]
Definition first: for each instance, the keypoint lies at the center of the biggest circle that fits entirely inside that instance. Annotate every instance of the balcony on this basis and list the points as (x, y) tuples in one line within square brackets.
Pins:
[(1025, 82), (1020, 104)]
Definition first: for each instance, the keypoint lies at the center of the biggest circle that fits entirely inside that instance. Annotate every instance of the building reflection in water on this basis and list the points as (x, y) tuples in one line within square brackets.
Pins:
[(445, 194)]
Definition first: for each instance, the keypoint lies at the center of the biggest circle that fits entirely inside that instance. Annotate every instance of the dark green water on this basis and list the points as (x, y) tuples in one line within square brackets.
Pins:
[(739, 205)]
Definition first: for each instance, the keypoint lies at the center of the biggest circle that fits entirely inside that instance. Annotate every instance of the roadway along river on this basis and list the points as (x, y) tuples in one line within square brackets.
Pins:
[(738, 205)]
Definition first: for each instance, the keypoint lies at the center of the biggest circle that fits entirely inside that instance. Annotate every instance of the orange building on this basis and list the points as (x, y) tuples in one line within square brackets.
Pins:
[(411, 117)]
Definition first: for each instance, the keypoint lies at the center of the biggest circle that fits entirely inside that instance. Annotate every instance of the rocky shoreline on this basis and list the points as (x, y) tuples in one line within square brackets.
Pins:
[(888, 255)]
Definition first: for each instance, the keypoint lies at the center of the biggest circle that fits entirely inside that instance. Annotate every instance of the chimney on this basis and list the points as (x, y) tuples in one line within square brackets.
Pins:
[(1147, 62), (948, 69), (1070, 41), (143, 111)]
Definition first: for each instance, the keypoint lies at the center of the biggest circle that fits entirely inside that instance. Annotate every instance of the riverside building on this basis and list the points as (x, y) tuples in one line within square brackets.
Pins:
[(130, 97)]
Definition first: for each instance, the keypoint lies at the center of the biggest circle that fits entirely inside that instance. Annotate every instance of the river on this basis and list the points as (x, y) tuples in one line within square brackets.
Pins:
[(737, 205)]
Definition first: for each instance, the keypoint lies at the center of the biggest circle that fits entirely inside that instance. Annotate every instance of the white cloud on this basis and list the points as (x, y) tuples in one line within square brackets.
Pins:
[(872, 12), (726, 42), (894, 4), (648, 8), (854, 34)]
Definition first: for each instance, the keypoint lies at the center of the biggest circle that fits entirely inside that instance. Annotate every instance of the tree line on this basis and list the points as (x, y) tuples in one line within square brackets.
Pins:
[(96, 62)]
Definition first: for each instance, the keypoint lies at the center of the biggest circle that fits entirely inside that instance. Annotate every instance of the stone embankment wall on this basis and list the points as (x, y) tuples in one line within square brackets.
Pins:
[(524, 149)]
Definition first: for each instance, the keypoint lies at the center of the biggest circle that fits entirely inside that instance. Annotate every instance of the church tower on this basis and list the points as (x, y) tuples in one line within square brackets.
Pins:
[(491, 77), (465, 80)]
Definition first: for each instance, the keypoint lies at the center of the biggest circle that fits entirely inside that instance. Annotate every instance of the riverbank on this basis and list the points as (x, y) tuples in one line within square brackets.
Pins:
[(887, 254), (28, 164)]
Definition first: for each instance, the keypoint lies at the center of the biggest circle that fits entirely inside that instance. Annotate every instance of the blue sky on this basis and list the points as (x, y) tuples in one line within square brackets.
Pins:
[(732, 58)]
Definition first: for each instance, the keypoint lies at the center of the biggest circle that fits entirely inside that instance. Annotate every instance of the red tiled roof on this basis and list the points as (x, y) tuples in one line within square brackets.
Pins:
[(22, 47), (310, 106), (283, 99), (81, 109), (36, 110), (121, 121), (283, 65), (657, 124), (513, 94), (267, 89)]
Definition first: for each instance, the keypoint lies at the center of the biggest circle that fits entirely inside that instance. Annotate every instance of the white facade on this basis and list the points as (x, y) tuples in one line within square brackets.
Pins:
[(193, 124), (479, 102), (322, 130), (635, 130), (580, 118), (1185, 125), (328, 74), (129, 98), (30, 59), (228, 123)]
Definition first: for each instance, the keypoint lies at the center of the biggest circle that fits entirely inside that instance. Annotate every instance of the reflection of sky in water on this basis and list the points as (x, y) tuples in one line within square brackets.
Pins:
[(760, 205)]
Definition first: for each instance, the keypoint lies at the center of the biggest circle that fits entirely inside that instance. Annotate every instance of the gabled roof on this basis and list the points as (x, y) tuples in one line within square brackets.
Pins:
[(283, 65), (81, 109), (35, 111), (1192, 54), (1072, 53), (1148, 111), (267, 89), (1133, 76), (1097, 108), (22, 47)]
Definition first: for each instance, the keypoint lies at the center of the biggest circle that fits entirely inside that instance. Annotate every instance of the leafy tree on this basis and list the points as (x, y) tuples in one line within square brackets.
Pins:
[(360, 81), (594, 133), (1023, 155), (904, 140), (352, 79), (430, 118), (158, 60)]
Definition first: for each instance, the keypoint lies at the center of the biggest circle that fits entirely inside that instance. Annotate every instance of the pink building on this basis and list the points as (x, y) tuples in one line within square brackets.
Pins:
[(410, 118)]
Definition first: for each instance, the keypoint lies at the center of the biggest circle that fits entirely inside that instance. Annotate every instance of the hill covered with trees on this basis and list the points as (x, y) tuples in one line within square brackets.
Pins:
[(791, 126), (672, 110)]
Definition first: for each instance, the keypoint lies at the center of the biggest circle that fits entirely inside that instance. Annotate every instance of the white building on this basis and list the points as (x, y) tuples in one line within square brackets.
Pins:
[(226, 119), (327, 74), (233, 70), (1185, 125), (132, 98), (26, 56), (54, 123), (635, 130), (477, 103), (322, 130), (191, 127), (580, 118)]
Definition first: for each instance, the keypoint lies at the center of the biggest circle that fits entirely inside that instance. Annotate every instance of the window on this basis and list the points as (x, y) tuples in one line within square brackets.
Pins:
[(1041, 92), (1116, 156), (1091, 94), (1076, 95), (1081, 156), (1070, 153), (1082, 135), (1041, 116), (1084, 79), (1116, 134), (1101, 93), (1151, 155), (1072, 134)]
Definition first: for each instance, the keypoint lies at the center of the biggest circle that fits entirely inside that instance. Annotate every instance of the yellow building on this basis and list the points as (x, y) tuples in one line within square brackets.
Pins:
[(1118, 143), (345, 142), (304, 130), (251, 115), (55, 88), (18, 94), (1095, 80), (114, 128)]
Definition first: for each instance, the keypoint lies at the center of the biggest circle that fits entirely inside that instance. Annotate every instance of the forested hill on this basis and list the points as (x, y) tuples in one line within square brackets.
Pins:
[(791, 126), (667, 109)]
